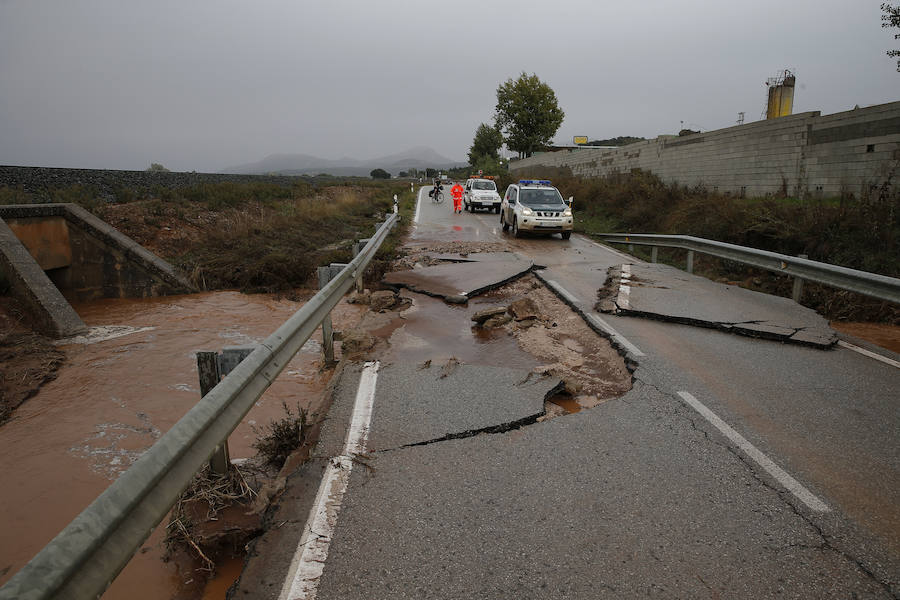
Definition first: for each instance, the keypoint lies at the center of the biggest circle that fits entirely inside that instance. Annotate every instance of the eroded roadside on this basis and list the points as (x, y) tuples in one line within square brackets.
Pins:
[(450, 373)]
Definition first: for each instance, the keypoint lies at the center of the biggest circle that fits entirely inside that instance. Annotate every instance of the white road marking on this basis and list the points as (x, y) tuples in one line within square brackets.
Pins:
[(418, 204), (614, 251), (791, 484), (870, 354), (624, 297), (312, 550), (598, 322), (618, 336), (563, 292)]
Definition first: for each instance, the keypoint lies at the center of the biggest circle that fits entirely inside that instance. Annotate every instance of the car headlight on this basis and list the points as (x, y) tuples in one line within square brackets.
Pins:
[(567, 212), (527, 211)]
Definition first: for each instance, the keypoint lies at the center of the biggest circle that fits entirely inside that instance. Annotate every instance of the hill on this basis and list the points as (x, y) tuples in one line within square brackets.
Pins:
[(419, 157)]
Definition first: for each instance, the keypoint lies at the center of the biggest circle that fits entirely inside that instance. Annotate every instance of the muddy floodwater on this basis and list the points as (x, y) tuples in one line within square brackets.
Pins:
[(113, 399)]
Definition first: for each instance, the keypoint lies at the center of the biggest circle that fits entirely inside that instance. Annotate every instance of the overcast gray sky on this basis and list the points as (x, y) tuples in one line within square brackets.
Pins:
[(203, 85)]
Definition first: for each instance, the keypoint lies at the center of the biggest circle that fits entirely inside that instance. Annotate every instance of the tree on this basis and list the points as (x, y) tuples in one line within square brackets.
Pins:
[(891, 18), (527, 113), (487, 142), (403, 174), (379, 174), (431, 173), (158, 168), (489, 165)]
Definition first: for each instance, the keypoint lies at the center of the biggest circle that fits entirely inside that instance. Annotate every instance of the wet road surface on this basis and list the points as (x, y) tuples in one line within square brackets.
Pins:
[(735, 467)]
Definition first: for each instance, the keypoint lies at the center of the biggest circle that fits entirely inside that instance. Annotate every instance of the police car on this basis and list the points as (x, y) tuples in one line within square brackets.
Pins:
[(534, 205), (481, 192)]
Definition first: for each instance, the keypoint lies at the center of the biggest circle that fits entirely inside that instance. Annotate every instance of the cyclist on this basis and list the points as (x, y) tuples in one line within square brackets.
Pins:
[(435, 193)]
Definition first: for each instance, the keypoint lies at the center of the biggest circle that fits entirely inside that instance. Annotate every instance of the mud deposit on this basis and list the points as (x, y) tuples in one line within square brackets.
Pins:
[(886, 336), (557, 341), (113, 399), (27, 361)]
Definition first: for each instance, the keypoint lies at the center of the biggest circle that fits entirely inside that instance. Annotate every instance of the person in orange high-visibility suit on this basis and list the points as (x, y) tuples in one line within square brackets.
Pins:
[(457, 192)]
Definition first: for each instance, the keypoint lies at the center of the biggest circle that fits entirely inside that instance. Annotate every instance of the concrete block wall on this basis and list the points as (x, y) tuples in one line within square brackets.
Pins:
[(807, 152)]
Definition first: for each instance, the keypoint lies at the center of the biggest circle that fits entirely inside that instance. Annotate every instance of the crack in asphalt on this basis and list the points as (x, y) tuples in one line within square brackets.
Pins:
[(783, 495), (609, 293), (490, 429)]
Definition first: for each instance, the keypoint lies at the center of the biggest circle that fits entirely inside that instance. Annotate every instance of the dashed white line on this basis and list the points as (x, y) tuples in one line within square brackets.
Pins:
[(624, 298), (789, 483), (309, 559), (870, 354)]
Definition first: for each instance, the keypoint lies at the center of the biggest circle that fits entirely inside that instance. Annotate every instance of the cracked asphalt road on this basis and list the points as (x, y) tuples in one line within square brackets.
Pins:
[(663, 292), (638, 496)]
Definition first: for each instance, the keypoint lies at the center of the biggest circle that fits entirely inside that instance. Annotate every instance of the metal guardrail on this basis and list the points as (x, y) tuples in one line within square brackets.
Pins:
[(87, 555), (803, 269)]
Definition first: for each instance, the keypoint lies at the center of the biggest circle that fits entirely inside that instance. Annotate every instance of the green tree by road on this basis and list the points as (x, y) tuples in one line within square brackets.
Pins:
[(379, 174), (527, 113), (487, 142)]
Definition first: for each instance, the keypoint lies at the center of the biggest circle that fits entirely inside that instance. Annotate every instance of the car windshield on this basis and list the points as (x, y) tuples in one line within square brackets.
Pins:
[(484, 185), (540, 197)]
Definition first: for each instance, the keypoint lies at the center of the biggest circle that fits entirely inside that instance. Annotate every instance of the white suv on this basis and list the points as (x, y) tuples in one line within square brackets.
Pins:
[(481, 192), (535, 205)]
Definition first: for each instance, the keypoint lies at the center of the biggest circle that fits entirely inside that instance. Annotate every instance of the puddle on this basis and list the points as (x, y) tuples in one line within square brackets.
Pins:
[(433, 329), (227, 572), (566, 402), (110, 402)]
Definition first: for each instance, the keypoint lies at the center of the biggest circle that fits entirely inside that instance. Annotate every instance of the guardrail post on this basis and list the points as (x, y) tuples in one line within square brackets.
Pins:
[(212, 367), (327, 331), (797, 293), (357, 248), (690, 261), (653, 254), (208, 370)]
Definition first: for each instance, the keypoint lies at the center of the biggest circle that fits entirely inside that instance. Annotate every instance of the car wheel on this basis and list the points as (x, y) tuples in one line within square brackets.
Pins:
[(496, 209), (503, 223), (516, 231), (566, 235)]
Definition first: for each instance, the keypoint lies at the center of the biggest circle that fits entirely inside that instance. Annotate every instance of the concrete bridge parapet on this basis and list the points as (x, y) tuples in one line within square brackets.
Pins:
[(53, 251)]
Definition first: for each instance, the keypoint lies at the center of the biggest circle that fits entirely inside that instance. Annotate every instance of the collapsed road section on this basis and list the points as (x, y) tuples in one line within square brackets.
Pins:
[(663, 292)]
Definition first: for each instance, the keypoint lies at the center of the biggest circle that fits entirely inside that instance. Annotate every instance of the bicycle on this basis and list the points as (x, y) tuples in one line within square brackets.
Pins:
[(437, 197)]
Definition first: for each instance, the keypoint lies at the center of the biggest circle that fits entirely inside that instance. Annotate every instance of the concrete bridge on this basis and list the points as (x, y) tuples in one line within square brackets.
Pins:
[(51, 252)]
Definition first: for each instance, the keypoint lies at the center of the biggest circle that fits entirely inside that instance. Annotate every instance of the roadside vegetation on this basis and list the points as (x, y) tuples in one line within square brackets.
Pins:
[(255, 237), (860, 232)]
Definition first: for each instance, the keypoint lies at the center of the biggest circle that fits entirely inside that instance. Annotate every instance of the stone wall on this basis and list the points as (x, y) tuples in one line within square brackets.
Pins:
[(803, 153)]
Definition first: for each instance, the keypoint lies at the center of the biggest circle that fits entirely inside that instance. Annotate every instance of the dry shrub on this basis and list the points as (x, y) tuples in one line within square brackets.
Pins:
[(280, 438)]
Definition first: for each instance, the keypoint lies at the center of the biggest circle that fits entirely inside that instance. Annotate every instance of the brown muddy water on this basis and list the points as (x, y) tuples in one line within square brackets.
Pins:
[(113, 399)]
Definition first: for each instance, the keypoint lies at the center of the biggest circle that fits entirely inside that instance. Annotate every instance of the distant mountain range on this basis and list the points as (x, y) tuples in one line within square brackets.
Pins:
[(420, 157)]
